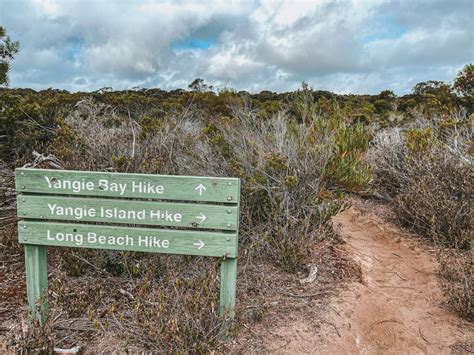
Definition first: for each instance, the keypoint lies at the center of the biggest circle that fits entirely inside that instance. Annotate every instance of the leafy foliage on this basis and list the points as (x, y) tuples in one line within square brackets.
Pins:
[(8, 49), (464, 82)]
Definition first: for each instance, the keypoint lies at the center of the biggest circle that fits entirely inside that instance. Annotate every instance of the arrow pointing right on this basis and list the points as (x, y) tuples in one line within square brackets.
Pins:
[(201, 217), (200, 245)]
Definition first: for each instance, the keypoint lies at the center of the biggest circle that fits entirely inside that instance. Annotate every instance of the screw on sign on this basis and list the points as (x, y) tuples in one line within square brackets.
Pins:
[(61, 208)]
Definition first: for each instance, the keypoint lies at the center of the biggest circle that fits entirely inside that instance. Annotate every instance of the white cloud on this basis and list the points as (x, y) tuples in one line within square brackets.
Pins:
[(347, 46)]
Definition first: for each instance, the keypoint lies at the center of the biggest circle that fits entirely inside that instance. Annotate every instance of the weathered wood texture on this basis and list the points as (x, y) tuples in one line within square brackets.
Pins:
[(228, 288), (191, 215), (179, 188), (228, 285), (37, 281), (125, 238)]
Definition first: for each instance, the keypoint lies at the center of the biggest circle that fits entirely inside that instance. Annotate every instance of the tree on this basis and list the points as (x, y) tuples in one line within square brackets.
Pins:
[(8, 49), (432, 87), (198, 85), (464, 82), (387, 95)]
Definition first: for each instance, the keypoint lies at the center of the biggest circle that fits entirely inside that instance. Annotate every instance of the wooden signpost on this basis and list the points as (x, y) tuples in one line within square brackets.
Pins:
[(170, 214)]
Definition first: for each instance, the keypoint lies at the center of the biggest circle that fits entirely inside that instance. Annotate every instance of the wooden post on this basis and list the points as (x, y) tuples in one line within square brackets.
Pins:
[(37, 281), (228, 288), (229, 277)]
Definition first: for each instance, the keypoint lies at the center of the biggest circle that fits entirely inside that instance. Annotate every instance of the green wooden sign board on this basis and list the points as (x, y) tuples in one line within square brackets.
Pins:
[(187, 215)]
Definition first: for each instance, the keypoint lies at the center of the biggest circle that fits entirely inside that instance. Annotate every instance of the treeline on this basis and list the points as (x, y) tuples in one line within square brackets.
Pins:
[(28, 117)]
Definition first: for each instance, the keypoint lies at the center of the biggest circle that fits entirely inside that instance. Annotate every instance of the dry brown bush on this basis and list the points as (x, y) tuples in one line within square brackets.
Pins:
[(281, 162), (427, 176), (456, 269), (438, 201)]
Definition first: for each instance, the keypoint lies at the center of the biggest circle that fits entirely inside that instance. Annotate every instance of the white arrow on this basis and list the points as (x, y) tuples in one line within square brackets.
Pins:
[(200, 244), (201, 217), (200, 188)]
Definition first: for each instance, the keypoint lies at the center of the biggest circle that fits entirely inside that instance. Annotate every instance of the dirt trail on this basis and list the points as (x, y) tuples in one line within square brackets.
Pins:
[(396, 310)]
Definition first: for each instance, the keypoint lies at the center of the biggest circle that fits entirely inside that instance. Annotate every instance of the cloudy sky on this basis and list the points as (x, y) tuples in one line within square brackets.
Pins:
[(360, 46)]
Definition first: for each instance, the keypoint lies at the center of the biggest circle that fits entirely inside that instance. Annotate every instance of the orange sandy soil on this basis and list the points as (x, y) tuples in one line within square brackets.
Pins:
[(396, 309)]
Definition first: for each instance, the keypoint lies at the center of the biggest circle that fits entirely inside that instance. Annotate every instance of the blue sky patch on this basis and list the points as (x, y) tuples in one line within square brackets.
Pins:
[(386, 27), (191, 44), (71, 48)]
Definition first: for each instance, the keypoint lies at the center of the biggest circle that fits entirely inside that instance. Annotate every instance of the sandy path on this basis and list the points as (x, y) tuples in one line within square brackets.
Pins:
[(396, 310)]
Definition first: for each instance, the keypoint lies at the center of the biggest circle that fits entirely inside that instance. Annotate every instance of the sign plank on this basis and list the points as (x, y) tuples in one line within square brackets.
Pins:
[(202, 211), (139, 186), (184, 215), (169, 241)]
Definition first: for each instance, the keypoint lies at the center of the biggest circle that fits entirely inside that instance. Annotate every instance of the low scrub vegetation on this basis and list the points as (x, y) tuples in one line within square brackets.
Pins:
[(298, 154), (294, 170), (426, 172)]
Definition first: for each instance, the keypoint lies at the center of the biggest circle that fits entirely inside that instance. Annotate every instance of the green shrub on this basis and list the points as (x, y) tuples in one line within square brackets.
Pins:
[(347, 168), (418, 141)]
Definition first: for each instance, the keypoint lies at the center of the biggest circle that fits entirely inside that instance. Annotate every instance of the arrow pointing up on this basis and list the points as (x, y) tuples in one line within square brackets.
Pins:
[(201, 217), (200, 188), (200, 244)]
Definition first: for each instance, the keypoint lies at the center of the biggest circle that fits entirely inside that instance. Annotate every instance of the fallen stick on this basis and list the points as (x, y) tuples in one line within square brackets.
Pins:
[(306, 295), (394, 320)]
